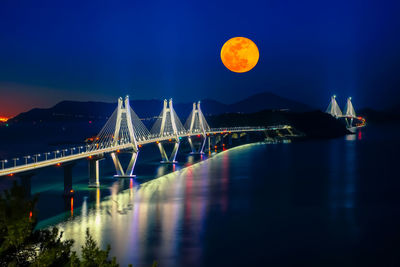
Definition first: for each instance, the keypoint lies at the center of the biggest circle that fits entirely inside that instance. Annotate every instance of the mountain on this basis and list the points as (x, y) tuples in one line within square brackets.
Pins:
[(76, 110), (67, 110), (267, 100)]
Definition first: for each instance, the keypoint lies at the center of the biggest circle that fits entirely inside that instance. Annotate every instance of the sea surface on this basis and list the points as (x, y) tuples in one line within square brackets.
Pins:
[(328, 202)]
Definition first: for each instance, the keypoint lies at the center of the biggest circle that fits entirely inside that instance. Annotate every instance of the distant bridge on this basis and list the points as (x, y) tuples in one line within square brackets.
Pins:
[(124, 131), (352, 120)]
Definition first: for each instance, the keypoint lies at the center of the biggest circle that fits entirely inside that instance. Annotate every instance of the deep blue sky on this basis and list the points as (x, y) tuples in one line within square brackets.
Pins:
[(99, 50)]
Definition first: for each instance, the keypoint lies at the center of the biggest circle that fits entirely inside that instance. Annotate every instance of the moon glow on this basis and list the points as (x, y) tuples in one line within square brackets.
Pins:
[(239, 54)]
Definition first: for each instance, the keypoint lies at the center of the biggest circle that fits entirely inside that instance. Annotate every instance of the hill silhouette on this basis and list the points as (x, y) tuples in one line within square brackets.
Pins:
[(76, 110)]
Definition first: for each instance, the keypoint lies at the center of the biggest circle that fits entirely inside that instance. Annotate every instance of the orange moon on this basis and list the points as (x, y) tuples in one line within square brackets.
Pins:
[(239, 54)]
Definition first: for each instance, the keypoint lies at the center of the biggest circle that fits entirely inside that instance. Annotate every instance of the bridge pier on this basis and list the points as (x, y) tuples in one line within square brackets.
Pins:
[(94, 173), (118, 167), (164, 157), (220, 140), (68, 191), (213, 142), (191, 145), (201, 148), (222, 144), (203, 143)]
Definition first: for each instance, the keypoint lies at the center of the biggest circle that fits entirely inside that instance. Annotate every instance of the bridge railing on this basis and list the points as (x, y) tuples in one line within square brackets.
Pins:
[(53, 155), (41, 157), (248, 128), (89, 148), (226, 129)]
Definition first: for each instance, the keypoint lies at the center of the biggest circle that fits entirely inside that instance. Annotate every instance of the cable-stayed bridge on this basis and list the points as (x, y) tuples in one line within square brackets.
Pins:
[(124, 131), (352, 120)]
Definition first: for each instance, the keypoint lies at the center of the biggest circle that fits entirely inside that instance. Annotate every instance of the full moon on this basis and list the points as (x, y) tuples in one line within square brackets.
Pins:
[(239, 54)]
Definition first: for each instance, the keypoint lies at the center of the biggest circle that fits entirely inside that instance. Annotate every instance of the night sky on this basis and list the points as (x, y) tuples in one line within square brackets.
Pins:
[(99, 50)]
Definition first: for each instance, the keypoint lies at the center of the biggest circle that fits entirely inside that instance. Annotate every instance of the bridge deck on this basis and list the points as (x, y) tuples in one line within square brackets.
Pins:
[(68, 158)]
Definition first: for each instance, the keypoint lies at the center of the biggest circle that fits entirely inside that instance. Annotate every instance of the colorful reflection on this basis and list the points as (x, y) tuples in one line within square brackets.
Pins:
[(156, 216), (72, 206)]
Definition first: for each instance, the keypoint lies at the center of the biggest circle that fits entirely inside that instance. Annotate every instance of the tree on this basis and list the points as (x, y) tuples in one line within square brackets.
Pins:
[(21, 245), (93, 256)]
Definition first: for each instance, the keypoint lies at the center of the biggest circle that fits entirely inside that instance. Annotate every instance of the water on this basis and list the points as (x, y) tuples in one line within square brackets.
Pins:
[(314, 203)]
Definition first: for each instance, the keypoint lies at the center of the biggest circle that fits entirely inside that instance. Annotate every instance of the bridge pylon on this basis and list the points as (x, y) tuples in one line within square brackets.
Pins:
[(124, 120), (350, 113), (121, 132), (197, 124), (334, 108), (168, 127)]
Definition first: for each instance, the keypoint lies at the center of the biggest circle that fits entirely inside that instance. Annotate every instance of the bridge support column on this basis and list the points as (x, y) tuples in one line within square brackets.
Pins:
[(219, 140), (94, 172), (202, 145), (201, 148), (25, 181), (131, 166), (68, 191), (191, 145), (247, 137), (349, 122), (213, 142), (174, 153), (164, 157), (229, 139)]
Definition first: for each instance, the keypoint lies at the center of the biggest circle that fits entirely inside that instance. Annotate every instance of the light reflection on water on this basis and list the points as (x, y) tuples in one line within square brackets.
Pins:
[(284, 204), (342, 182), (151, 218)]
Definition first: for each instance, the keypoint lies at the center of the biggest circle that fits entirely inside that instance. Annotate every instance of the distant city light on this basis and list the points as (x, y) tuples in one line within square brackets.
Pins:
[(3, 119)]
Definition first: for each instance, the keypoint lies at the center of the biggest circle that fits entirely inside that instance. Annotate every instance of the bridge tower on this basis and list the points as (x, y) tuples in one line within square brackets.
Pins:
[(350, 113), (168, 127), (121, 134), (124, 121), (334, 108), (349, 109), (197, 124)]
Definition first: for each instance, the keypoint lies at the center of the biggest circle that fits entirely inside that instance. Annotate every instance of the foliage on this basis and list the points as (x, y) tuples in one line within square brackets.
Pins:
[(22, 245), (93, 256)]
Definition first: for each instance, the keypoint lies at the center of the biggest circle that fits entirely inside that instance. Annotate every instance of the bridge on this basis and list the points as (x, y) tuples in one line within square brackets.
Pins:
[(125, 132), (352, 120)]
